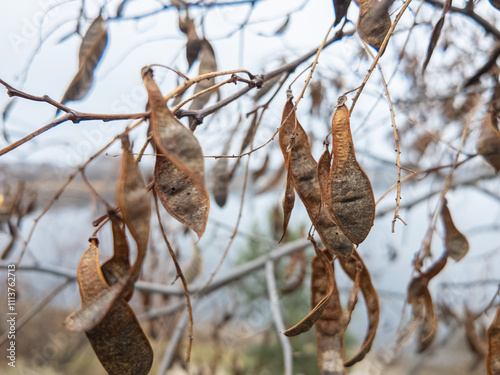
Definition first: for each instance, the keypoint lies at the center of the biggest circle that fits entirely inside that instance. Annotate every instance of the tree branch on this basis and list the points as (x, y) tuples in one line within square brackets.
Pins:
[(71, 115), (257, 81), (488, 27), (277, 317), (235, 274)]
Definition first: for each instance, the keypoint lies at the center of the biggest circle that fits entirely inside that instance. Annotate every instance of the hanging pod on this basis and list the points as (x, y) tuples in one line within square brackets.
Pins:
[(350, 200)]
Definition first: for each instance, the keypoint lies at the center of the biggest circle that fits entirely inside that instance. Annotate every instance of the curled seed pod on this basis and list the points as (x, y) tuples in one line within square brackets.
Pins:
[(179, 168), (351, 266), (428, 324), (456, 243), (133, 200), (351, 199), (329, 327), (288, 203), (119, 264), (305, 324), (118, 340), (303, 168), (423, 308)]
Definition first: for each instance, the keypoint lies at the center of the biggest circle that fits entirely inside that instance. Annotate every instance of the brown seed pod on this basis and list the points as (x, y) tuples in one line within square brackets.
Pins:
[(118, 340), (133, 200), (305, 324), (330, 326), (428, 324), (341, 7), (351, 199), (421, 300), (119, 264), (351, 266), (288, 203), (208, 64), (303, 168), (456, 243), (91, 50), (179, 168), (374, 21)]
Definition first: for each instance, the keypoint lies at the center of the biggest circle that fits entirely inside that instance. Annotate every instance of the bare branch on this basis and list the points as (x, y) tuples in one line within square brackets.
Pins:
[(488, 27), (278, 318)]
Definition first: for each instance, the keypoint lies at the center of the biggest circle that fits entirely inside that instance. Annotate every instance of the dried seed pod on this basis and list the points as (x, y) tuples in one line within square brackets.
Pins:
[(220, 178), (179, 168), (493, 358), (193, 44), (221, 175), (341, 7), (91, 50), (330, 326), (303, 168), (423, 308), (288, 203), (428, 324), (133, 199), (208, 64), (317, 95), (324, 167), (351, 266), (436, 32), (488, 143), (374, 21), (351, 199), (118, 340), (305, 324), (120, 343), (118, 265), (456, 243)]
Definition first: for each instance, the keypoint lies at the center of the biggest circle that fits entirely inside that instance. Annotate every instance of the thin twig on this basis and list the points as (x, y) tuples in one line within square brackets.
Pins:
[(396, 142), (488, 27), (236, 273), (277, 317), (425, 250), (63, 187)]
